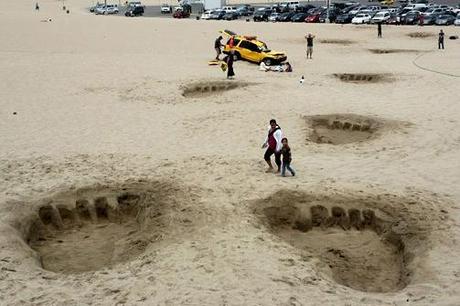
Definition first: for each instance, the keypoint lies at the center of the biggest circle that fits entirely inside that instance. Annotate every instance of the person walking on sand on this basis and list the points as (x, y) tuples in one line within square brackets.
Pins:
[(309, 39), (229, 60), (273, 144), (286, 153), (37, 7), (218, 46), (379, 30), (441, 40)]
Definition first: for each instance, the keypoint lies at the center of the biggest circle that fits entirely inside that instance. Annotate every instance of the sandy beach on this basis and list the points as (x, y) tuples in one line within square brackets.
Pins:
[(119, 187)]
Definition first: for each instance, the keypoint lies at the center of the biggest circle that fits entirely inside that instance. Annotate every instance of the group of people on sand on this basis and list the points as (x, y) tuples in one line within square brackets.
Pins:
[(276, 144), (230, 57)]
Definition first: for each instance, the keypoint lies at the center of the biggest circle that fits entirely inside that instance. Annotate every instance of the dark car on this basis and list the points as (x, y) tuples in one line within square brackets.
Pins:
[(299, 17), (445, 19), (245, 10), (411, 18), (230, 16), (304, 8), (344, 18), (135, 11), (394, 19), (262, 14), (430, 19), (285, 17), (323, 16), (181, 14), (217, 15)]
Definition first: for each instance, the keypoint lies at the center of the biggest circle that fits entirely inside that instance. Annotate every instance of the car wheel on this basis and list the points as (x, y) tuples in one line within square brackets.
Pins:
[(236, 56), (267, 61)]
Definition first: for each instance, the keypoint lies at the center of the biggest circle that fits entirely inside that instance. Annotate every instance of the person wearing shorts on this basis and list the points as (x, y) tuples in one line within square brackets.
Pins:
[(309, 39)]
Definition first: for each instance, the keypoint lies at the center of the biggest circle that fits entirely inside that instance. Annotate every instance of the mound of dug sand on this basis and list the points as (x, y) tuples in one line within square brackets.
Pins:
[(98, 227), (363, 78), (209, 88), (389, 51), (339, 129), (364, 242)]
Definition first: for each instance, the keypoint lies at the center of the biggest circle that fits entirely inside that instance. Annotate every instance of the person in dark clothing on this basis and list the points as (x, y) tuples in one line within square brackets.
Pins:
[(441, 40), (286, 153), (37, 7), (218, 46), (273, 144), (229, 60), (309, 39), (379, 30)]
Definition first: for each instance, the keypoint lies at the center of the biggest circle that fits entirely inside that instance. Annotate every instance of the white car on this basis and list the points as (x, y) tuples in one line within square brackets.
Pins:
[(380, 17), (112, 9), (431, 11), (106, 10), (361, 18), (457, 20), (229, 9), (207, 15), (166, 9), (274, 17)]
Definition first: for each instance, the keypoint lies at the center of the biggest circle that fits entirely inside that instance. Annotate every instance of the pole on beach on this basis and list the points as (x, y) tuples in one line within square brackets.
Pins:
[(328, 4)]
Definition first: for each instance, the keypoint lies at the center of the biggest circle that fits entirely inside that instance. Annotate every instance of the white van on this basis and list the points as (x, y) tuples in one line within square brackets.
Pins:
[(229, 9)]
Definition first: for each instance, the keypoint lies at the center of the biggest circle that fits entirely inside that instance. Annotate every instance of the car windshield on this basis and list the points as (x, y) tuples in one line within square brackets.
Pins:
[(264, 48)]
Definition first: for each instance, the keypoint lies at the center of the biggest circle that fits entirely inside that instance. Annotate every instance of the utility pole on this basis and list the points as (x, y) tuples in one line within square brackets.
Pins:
[(328, 4)]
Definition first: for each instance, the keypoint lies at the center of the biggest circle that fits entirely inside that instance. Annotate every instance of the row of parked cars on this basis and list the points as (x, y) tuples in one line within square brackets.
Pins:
[(133, 8), (409, 13)]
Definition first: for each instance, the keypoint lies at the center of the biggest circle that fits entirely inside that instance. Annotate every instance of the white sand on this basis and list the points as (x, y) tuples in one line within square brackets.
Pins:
[(98, 102)]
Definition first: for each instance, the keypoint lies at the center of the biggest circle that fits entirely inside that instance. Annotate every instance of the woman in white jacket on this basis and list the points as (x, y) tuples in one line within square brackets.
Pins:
[(273, 144)]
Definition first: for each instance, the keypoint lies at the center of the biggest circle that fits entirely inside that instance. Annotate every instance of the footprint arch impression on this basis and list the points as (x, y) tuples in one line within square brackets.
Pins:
[(95, 228), (365, 243)]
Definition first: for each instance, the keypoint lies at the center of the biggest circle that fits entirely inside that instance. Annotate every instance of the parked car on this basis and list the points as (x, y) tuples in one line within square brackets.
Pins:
[(299, 17), (412, 17), (457, 20), (430, 19), (106, 10), (344, 18), (134, 4), (134, 11), (361, 18), (394, 19), (112, 9), (98, 5), (166, 9), (262, 14), (303, 8), (285, 17), (229, 9), (274, 17), (206, 15), (245, 10), (313, 18), (436, 11), (323, 16), (445, 19), (251, 49), (380, 17), (230, 16), (181, 13), (217, 15)]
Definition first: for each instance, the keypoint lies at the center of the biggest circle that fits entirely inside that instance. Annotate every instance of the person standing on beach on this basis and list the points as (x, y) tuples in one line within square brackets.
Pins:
[(273, 144), (218, 46), (229, 60), (309, 39), (287, 158), (37, 7), (379, 30), (441, 40)]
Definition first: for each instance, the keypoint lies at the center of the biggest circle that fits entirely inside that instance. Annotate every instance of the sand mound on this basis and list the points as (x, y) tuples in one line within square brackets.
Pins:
[(388, 51), (340, 129), (336, 41), (100, 227), (420, 34), (356, 238), (362, 77), (203, 89)]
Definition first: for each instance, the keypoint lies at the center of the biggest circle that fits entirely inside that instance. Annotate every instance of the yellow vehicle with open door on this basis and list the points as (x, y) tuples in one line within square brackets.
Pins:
[(251, 49)]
